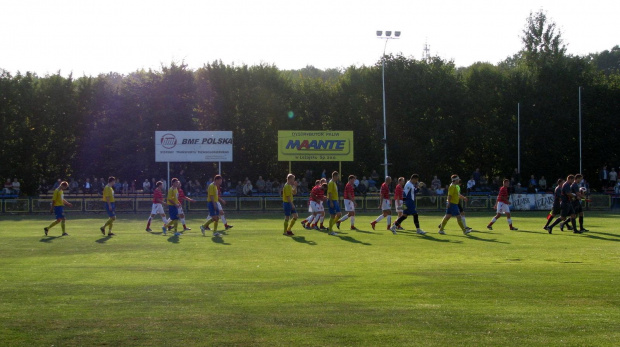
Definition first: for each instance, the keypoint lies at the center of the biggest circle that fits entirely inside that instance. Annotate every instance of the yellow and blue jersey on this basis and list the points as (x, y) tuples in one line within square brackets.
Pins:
[(58, 198), (173, 197), (287, 193), (212, 193), (332, 190), (453, 194), (108, 194)]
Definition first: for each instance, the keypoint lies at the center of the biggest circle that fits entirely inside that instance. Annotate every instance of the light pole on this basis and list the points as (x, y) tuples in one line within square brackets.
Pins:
[(388, 36)]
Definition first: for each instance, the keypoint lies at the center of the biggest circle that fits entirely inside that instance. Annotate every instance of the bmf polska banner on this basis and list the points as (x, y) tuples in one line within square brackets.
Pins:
[(300, 145), (193, 146)]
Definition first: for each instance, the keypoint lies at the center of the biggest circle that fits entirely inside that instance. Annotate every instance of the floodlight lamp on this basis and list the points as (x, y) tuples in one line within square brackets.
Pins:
[(379, 33), (397, 33), (388, 33)]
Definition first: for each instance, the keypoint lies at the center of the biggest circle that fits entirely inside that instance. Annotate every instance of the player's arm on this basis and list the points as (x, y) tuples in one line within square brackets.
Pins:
[(66, 203)]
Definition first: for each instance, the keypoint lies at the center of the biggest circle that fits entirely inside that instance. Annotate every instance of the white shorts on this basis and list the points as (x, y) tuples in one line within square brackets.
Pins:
[(349, 205), (502, 207), (316, 207), (157, 209), (399, 205), (386, 204)]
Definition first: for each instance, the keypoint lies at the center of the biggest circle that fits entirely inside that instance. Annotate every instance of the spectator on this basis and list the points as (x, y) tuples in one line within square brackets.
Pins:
[(164, 186), (56, 185), (146, 186), (181, 177), (17, 186), (153, 184), (471, 184), (374, 176), (303, 186), (604, 177), (102, 184), (617, 187), (324, 173), (133, 187), (533, 181), (477, 176), (247, 187), (364, 184), (74, 186), (43, 187), (275, 186), (268, 186), (435, 183), (260, 184), (118, 186), (239, 189), (518, 189), (308, 175), (484, 181), (516, 177), (196, 186), (88, 187), (8, 187), (542, 183), (125, 187), (424, 191), (613, 176)]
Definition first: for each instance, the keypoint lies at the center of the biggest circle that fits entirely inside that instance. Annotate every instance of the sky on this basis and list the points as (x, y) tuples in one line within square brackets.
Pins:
[(86, 37)]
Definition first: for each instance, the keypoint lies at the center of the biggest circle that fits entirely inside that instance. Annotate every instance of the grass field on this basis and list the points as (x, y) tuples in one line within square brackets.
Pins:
[(257, 287)]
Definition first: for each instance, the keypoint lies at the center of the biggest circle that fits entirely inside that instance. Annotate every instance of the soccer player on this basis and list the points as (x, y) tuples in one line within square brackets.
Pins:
[(173, 207), (555, 210), (157, 209), (349, 203), (502, 205), (454, 197), (578, 192), (386, 204), (566, 206), (398, 199), (317, 196), (410, 206), (212, 199), (332, 202), (290, 189), (58, 205), (110, 206), (182, 197), (313, 206), (222, 216)]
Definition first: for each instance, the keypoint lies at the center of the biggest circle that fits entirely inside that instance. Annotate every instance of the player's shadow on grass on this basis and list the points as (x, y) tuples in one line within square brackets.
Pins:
[(364, 231), (527, 231), (588, 235), (103, 239), (473, 237), (302, 239), (219, 241), (430, 237), (49, 239), (601, 233), (155, 232), (352, 240), (174, 239)]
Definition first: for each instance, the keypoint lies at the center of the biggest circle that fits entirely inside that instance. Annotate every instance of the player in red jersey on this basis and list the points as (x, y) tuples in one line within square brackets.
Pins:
[(385, 204), (182, 198), (158, 208), (398, 199), (503, 206), (349, 203), (312, 207)]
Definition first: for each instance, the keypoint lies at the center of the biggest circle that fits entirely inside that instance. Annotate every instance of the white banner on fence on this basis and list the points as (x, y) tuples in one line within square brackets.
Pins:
[(527, 202), (193, 146)]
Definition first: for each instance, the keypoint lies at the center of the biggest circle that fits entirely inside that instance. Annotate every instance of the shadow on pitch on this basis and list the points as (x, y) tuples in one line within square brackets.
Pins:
[(352, 240), (302, 239), (49, 239), (589, 235), (174, 239), (220, 241), (473, 237), (601, 233), (104, 239)]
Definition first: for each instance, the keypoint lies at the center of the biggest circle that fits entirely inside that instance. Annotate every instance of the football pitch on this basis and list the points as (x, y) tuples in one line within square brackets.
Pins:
[(255, 286)]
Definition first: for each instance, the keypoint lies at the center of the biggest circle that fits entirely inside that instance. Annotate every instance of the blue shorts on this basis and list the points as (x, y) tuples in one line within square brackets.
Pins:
[(410, 208), (111, 212), (334, 206), (453, 209), (288, 209), (173, 212), (60, 212), (213, 210)]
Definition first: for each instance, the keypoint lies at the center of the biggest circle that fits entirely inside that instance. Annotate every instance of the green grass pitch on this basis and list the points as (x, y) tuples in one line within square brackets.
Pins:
[(255, 286)]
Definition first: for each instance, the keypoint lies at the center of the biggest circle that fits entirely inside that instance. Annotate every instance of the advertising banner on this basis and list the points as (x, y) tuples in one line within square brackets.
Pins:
[(193, 146), (531, 202), (300, 145)]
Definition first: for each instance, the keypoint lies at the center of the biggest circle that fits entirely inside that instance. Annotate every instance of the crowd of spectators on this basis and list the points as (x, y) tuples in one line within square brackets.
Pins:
[(11, 188)]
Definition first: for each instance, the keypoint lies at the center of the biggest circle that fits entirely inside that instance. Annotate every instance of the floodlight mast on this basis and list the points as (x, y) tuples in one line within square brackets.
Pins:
[(386, 37)]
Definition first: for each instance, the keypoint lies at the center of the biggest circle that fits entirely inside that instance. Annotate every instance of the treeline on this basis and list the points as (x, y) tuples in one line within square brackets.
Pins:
[(441, 119)]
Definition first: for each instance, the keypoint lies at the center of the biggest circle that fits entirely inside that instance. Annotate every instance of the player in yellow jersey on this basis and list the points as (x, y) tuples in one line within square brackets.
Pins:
[(109, 205), (58, 204), (454, 197), (173, 207), (332, 202), (212, 200), (290, 189)]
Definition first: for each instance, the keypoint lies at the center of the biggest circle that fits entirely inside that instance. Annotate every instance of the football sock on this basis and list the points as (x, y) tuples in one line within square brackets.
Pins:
[(208, 222), (443, 223), (464, 222), (290, 226), (400, 220), (345, 217), (214, 226), (321, 219), (223, 220), (549, 219), (62, 226), (389, 219), (352, 220), (163, 219), (509, 220), (53, 224), (148, 224), (175, 224), (379, 219), (285, 224), (416, 221), (183, 222), (310, 218), (556, 222), (460, 221), (332, 221), (580, 222), (574, 222), (315, 221)]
